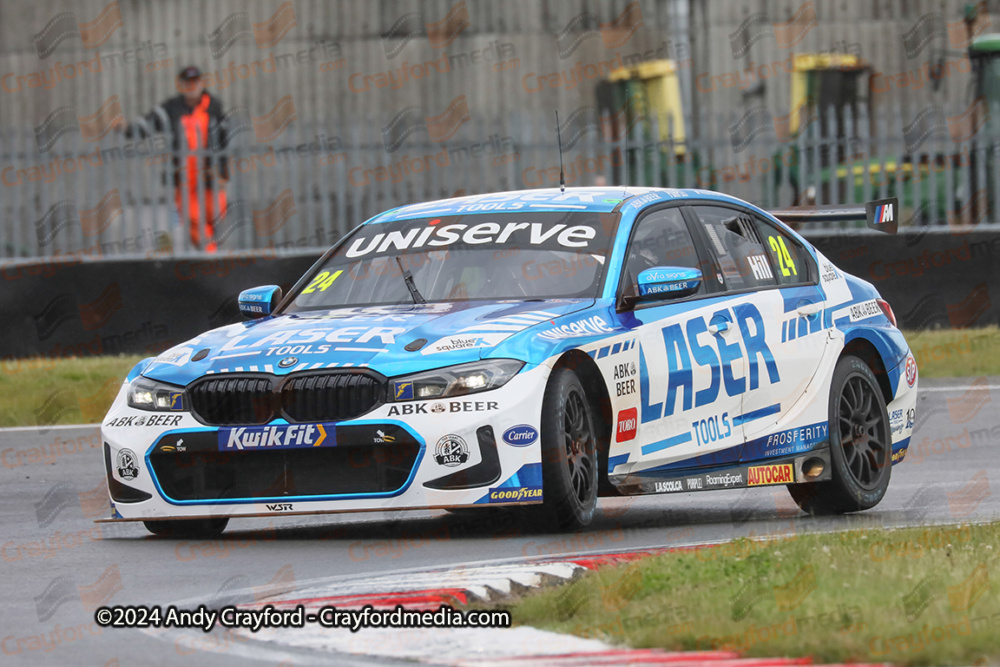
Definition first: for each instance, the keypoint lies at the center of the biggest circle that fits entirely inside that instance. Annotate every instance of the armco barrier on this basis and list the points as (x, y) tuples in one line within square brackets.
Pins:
[(56, 309), (932, 279), (140, 306)]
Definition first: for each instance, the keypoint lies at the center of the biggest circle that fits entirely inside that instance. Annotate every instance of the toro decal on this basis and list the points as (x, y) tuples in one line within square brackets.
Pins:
[(286, 436), (627, 426), (521, 435)]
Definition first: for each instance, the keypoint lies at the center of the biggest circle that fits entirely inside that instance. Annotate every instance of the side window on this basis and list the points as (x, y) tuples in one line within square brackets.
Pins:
[(742, 255), (660, 239), (789, 259)]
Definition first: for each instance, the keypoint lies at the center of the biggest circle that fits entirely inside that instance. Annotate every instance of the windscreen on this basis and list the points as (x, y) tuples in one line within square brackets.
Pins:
[(537, 255)]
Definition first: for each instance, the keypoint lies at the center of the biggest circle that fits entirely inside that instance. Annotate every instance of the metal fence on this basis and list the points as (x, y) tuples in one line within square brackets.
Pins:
[(313, 183)]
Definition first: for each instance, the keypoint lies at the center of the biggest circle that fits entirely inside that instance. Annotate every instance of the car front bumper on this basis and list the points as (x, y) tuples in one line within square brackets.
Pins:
[(483, 448)]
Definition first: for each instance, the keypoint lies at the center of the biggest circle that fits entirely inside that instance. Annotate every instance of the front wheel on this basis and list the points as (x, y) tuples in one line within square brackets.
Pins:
[(190, 528), (860, 445), (569, 453)]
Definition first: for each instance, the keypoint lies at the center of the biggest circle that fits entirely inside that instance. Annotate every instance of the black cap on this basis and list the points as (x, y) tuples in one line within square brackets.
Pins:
[(189, 73)]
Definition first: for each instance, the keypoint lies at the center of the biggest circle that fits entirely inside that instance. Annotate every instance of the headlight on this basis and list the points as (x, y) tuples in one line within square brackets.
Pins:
[(146, 394), (455, 380)]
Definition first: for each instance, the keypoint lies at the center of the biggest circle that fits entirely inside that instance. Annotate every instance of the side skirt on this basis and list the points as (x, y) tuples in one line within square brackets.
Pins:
[(798, 469)]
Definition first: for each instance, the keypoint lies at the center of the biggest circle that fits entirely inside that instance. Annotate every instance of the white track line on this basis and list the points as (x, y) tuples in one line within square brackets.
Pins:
[(57, 427), (971, 387)]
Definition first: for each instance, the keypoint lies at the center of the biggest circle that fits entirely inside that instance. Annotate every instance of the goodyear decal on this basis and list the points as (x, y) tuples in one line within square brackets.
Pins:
[(782, 473), (402, 391), (528, 476), (281, 436), (899, 450), (515, 495)]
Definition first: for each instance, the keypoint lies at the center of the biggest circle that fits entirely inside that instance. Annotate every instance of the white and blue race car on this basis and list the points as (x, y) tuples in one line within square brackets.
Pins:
[(539, 347)]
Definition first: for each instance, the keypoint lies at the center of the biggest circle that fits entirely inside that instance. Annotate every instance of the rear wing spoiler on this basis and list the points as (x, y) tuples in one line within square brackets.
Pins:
[(880, 214)]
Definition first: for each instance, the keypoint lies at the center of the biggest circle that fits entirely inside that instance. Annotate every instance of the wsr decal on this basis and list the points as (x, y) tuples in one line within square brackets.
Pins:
[(682, 349)]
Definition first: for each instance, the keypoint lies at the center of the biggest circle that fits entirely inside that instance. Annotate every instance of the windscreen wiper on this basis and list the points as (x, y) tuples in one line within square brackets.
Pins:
[(410, 285)]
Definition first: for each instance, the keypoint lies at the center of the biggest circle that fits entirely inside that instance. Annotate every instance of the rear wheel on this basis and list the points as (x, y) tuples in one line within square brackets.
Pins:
[(188, 527), (569, 452), (860, 445)]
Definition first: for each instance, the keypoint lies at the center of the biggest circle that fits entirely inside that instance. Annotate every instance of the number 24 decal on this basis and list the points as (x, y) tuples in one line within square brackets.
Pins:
[(321, 282), (785, 260)]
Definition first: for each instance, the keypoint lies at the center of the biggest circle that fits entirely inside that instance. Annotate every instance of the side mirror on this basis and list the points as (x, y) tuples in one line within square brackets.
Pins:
[(667, 282), (259, 301)]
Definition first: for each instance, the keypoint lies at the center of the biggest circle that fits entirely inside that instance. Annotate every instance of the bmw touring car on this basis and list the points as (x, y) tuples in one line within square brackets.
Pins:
[(537, 348)]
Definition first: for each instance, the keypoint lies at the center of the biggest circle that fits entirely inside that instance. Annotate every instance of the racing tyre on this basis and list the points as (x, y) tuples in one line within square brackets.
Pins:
[(569, 453), (188, 527), (860, 445)]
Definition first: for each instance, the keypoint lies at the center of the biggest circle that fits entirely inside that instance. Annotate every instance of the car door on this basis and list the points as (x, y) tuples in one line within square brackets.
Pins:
[(744, 271), (797, 336), (688, 353)]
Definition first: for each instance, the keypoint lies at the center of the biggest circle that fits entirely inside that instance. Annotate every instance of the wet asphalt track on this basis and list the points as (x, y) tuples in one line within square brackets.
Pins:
[(57, 564)]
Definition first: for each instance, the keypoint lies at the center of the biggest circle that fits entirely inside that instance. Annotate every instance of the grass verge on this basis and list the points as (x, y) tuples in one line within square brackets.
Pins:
[(60, 391), (920, 596), (956, 352)]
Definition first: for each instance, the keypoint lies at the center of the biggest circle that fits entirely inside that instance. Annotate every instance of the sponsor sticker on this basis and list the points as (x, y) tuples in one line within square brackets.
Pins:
[(280, 436), (668, 486), (521, 435), (451, 451), (911, 370), (381, 437), (628, 421), (734, 478), (471, 341), (495, 234), (896, 421), (402, 391), (144, 420), (442, 407), (177, 357), (864, 310), (176, 401), (624, 375), (774, 474), (725, 480), (127, 464), (514, 495), (591, 326)]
